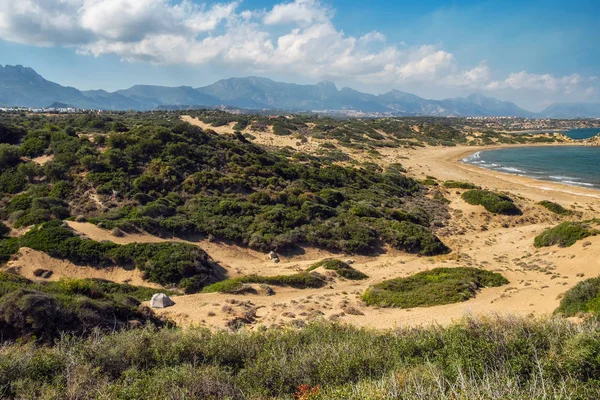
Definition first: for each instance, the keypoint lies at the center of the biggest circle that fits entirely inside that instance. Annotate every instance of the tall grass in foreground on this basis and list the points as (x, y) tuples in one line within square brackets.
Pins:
[(493, 358)]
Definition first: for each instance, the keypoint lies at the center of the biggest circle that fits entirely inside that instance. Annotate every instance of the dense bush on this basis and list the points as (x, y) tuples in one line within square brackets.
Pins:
[(430, 288), (492, 202), (158, 175), (299, 281), (555, 207), (341, 268), (44, 311), (581, 298), (564, 235), (460, 185)]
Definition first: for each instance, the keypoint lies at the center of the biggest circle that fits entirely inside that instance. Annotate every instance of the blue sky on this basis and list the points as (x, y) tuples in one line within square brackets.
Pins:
[(531, 52)]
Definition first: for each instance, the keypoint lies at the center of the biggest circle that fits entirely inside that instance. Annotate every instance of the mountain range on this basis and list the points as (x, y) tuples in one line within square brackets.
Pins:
[(24, 87)]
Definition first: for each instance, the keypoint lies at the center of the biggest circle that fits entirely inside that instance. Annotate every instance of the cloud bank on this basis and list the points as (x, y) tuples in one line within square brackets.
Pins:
[(292, 37)]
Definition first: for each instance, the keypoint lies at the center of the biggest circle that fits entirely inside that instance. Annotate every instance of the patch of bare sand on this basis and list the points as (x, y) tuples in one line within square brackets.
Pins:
[(29, 260), (42, 160)]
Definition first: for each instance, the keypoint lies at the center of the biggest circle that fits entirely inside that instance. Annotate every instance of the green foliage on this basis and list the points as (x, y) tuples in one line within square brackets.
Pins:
[(8, 247), (11, 134), (555, 208), (9, 156), (581, 298), (430, 288), (414, 238), (460, 185), (564, 235), (492, 202), (512, 358), (44, 311), (341, 268), (298, 281)]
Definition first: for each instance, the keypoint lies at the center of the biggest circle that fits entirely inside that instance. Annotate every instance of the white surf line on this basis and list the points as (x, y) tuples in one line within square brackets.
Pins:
[(550, 189)]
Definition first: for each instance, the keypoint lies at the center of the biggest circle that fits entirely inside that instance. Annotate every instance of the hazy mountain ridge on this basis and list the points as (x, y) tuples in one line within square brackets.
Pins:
[(22, 86)]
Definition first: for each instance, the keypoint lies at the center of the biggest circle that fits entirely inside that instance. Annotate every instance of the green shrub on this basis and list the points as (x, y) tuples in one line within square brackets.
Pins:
[(564, 235), (413, 238), (430, 288), (492, 202), (44, 311), (555, 207), (583, 297), (341, 268), (299, 281), (460, 185)]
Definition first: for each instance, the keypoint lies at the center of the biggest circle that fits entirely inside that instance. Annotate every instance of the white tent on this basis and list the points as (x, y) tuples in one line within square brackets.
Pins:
[(160, 300)]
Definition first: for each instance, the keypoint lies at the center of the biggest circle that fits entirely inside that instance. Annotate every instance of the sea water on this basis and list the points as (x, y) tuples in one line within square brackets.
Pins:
[(571, 165)]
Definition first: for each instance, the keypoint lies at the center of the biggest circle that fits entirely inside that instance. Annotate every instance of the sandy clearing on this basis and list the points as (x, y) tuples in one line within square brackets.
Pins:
[(28, 260), (263, 138)]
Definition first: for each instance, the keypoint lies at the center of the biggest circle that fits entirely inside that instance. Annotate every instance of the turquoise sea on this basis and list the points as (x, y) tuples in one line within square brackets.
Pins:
[(571, 165)]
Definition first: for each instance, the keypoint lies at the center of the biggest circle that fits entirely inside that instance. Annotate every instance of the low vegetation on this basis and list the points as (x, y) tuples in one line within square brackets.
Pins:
[(460, 185), (46, 311), (565, 234), (430, 288), (299, 281), (341, 269), (493, 202), (581, 298), (491, 358), (555, 208)]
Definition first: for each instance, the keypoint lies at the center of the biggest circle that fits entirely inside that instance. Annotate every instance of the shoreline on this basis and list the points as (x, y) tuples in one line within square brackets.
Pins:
[(445, 164), (525, 180)]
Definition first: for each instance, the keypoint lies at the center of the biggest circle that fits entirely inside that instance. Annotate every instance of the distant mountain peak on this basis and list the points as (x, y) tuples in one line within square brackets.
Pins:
[(22, 86)]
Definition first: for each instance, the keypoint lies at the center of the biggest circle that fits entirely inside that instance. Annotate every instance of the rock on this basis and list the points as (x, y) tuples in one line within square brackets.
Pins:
[(352, 311), (586, 244), (265, 290), (116, 232)]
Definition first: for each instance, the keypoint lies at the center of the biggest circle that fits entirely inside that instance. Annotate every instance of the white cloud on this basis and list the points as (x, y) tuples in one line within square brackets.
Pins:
[(292, 37), (298, 11)]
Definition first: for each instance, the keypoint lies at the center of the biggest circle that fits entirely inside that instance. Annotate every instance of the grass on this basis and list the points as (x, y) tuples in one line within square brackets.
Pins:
[(564, 235), (341, 268), (581, 298), (492, 202), (495, 358), (431, 288), (555, 208), (298, 281), (460, 185)]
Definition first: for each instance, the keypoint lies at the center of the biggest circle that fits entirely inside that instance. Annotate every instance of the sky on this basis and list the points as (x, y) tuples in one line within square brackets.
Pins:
[(531, 52)]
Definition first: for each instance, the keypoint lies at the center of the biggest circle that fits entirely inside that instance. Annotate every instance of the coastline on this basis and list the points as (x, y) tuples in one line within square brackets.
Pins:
[(445, 163)]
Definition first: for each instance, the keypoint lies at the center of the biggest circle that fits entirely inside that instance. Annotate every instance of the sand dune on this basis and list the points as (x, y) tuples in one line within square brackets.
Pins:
[(538, 277)]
